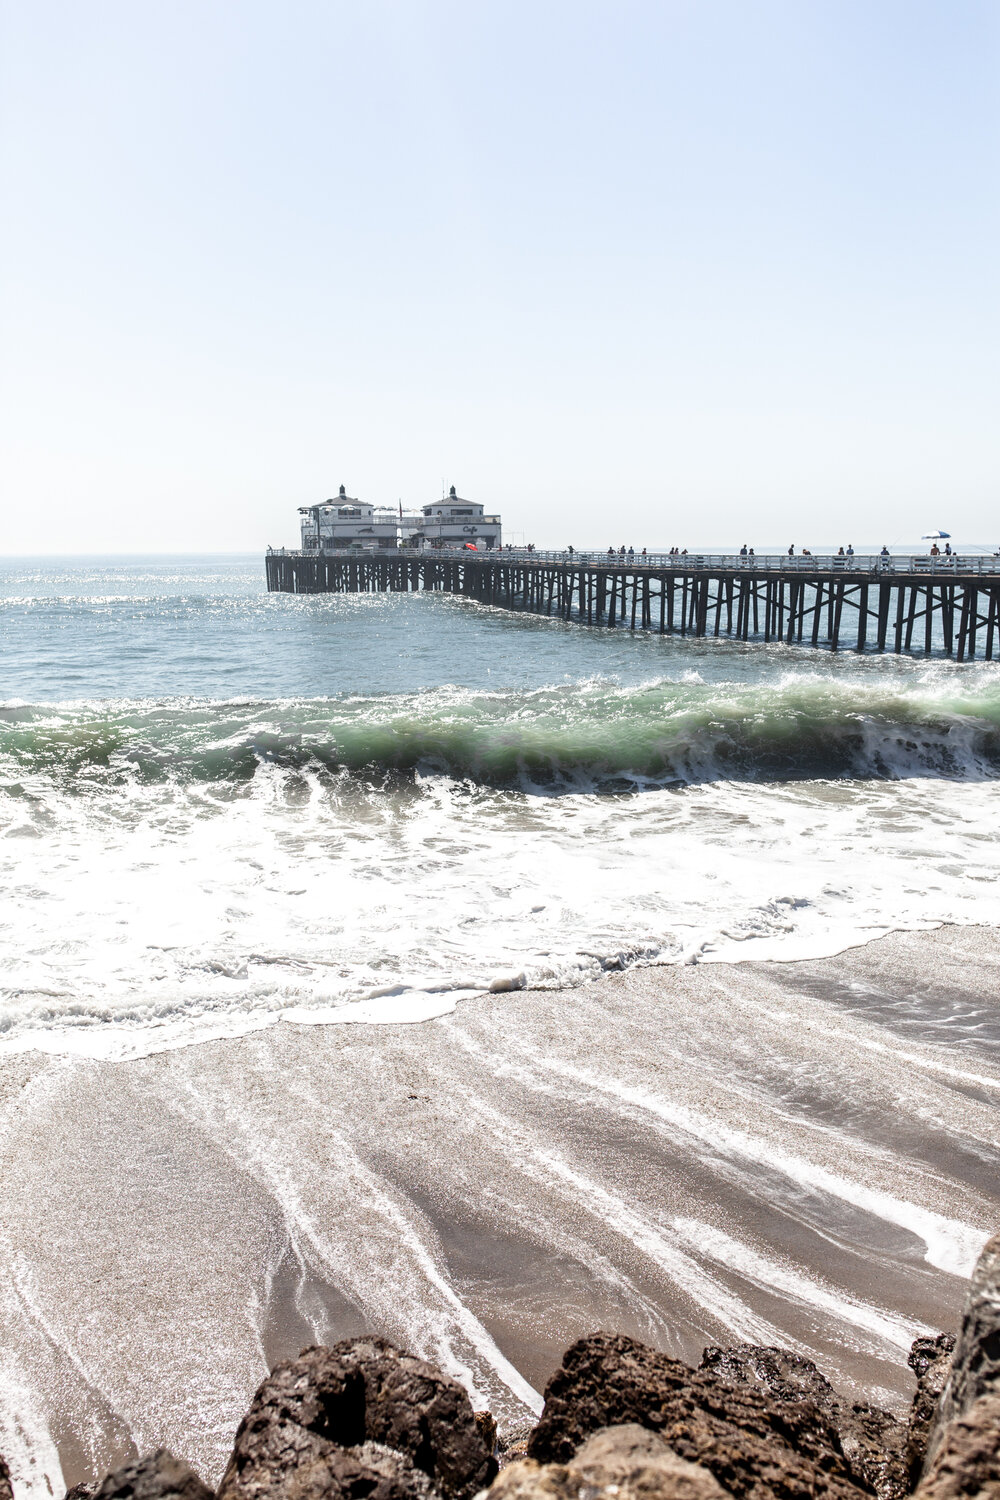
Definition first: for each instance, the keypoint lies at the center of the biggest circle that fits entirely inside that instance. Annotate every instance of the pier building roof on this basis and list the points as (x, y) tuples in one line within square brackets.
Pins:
[(342, 505), (453, 505)]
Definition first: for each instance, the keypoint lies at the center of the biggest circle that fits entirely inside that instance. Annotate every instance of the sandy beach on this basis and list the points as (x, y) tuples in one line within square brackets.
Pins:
[(802, 1154)]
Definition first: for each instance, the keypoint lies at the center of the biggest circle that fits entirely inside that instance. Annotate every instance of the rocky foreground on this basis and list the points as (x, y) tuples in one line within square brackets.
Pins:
[(365, 1421)]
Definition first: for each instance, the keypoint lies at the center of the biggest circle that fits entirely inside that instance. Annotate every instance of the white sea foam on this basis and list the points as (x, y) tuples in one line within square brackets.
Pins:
[(182, 870), (25, 1438), (950, 1245), (140, 917), (415, 1295), (654, 1240), (771, 1275)]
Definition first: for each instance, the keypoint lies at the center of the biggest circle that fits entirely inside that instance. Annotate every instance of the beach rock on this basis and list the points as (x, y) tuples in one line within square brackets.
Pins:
[(875, 1446), (412, 1407), (81, 1491), (158, 1476), (777, 1372), (486, 1426), (523, 1479), (930, 1361), (619, 1463), (975, 1361), (754, 1444), (362, 1419), (874, 1442), (6, 1488), (967, 1459), (632, 1461)]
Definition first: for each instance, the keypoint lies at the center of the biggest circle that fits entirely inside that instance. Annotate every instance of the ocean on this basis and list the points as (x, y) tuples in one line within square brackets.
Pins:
[(400, 963), (338, 808)]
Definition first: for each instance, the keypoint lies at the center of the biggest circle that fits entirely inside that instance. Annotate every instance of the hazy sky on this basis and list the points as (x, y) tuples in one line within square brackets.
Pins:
[(691, 271)]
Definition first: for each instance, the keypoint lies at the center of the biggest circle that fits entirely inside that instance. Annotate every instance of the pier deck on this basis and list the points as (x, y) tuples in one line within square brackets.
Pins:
[(928, 605)]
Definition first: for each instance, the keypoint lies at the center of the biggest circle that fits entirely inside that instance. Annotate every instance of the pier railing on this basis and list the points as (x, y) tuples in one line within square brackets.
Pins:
[(872, 564), (780, 562)]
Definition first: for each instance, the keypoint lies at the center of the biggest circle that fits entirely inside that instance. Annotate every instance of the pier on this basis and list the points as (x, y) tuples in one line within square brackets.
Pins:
[(917, 604)]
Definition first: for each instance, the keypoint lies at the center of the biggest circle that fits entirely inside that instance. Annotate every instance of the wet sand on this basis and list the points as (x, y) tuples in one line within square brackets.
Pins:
[(803, 1154)]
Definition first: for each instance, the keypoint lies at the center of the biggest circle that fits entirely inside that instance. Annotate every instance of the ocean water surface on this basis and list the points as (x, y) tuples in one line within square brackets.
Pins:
[(222, 808), (232, 823)]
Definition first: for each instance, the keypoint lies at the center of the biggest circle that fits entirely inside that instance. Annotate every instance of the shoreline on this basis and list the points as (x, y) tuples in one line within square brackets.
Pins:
[(435, 1001), (799, 1152)]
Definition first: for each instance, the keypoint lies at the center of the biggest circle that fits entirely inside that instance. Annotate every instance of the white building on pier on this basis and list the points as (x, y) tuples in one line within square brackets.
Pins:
[(452, 522), (345, 523)]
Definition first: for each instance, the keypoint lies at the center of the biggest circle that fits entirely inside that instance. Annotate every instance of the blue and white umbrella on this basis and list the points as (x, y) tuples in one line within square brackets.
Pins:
[(936, 536)]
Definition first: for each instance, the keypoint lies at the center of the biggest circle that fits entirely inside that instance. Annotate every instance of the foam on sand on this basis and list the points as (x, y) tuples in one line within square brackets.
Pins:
[(691, 1155)]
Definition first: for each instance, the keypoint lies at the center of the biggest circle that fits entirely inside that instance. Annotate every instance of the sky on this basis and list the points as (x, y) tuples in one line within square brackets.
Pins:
[(675, 273)]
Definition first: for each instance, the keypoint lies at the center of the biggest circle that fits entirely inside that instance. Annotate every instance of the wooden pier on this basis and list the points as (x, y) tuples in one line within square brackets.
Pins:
[(928, 605)]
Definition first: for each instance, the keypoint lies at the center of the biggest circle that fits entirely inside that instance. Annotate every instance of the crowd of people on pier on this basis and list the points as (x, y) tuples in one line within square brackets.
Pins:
[(746, 554), (844, 556)]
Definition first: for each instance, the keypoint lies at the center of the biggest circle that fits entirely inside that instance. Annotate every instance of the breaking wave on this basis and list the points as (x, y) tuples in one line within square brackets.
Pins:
[(594, 735), (211, 867)]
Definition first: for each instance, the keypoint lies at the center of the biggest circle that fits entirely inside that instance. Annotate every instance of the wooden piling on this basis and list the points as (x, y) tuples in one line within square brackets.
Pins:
[(740, 601)]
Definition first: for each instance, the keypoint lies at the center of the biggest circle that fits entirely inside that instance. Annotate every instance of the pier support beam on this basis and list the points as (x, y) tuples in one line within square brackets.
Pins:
[(742, 602)]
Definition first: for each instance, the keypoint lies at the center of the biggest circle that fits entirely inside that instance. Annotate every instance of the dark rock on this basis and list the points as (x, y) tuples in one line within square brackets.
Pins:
[(975, 1361), (777, 1372), (754, 1444), (396, 1473), (930, 1361), (873, 1440), (81, 1491), (615, 1463), (362, 1420), (967, 1459), (412, 1407), (6, 1488), (931, 1356), (875, 1446), (291, 1440), (158, 1476)]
